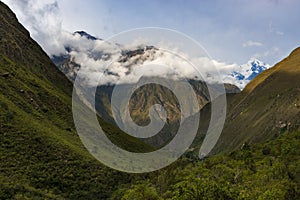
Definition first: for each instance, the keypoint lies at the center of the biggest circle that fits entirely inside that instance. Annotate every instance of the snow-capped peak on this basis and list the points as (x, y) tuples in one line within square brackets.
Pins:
[(255, 61), (246, 72)]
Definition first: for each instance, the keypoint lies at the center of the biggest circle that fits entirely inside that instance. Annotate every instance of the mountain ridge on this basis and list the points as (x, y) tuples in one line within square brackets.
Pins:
[(43, 158), (246, 72), (268, 106), (239, 76), (41, 154)]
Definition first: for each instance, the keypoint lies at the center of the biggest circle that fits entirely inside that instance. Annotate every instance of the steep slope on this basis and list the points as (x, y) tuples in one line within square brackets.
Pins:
[(144, 97), (268, 106), (41, 154)]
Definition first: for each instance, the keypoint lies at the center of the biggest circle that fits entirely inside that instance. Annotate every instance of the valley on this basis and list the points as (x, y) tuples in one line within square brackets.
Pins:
[(42, 156)]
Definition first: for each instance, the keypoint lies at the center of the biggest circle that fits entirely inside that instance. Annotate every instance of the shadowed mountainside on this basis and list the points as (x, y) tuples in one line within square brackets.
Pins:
[(41, 154)]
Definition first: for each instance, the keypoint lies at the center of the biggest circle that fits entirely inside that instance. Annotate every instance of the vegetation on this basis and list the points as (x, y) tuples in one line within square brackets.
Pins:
[(270, 170), (42, 156)]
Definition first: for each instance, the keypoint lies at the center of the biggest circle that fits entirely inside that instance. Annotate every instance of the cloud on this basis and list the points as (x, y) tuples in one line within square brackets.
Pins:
[(272, 52), (279, 33), (272, 29), (275, 51), (251, 43), (43, 21), (152, 62), (158, 63), (101, 59)]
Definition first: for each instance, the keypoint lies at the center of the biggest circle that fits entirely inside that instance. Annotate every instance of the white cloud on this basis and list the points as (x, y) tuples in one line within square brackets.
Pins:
[(251, 43), (275, 51), (279, 33), (152, 63), (272, 52), (43, 20), (272, 29)]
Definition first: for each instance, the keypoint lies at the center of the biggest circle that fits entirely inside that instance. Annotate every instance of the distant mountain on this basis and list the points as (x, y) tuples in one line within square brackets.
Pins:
[(239, 76), (145, 97), (246, 72), (86, 35)]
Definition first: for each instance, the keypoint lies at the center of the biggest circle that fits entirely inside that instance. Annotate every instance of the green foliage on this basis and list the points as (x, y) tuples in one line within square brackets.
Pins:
[(272, 194), (249, 173), (41, 155), (200, 188), (140, 191), (43, 158)]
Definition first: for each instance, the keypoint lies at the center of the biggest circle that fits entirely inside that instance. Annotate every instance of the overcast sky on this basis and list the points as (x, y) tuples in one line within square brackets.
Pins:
[(231, 31)]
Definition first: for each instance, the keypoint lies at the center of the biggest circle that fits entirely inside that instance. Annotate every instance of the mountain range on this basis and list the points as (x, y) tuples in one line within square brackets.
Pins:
[(158, 94), (42, 157), (239, 75), (142, 99)]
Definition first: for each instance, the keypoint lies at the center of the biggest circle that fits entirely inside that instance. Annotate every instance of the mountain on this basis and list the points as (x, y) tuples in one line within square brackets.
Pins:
[(86, 35), (69, 64), (246, 72), (268, 106), (257, 155), (145, 96), (42, 157)]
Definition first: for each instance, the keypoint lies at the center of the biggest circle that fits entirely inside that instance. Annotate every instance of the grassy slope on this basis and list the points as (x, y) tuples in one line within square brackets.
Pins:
[(269, 105), (41, 154)]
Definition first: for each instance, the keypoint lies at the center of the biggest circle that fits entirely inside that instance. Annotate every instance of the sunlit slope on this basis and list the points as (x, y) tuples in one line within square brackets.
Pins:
[(268, 106)]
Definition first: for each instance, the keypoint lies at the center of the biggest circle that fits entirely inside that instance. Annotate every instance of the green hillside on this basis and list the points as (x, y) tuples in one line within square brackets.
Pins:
[(41, 154), (267, 107), (43, 158)]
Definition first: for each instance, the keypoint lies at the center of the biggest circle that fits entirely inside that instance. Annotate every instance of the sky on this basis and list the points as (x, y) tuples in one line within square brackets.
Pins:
[(231, 31)]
